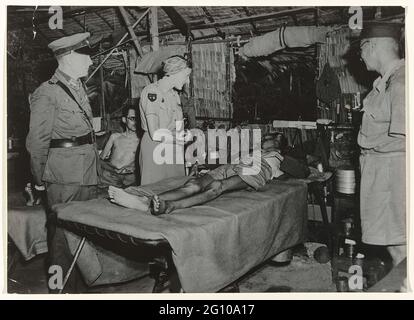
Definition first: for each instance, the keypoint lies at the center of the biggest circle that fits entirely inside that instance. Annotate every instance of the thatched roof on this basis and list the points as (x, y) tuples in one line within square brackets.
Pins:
[(178, 23), (199, 21)]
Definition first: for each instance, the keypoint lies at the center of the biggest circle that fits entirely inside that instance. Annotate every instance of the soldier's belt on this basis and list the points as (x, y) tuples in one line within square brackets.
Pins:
[(73, 142)]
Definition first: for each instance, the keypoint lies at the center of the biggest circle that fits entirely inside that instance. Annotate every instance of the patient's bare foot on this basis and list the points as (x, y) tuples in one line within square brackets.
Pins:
[(125, 199), (159, 206)]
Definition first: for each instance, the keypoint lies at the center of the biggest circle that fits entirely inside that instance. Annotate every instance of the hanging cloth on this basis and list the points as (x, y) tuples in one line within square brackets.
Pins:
[(327, 87)]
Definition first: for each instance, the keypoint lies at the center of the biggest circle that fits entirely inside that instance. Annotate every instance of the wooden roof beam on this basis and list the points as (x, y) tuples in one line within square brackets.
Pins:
[(178, 21), (119, 42), (295, 19), (229, 22), (220, 33), (258, 17), (79, 24), (104, 20), (130, 28), (141, 23), (255, 31)]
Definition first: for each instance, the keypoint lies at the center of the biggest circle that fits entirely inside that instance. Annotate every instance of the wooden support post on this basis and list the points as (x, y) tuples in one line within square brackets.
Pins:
[(131, 30), (153, 26), (153, 20)]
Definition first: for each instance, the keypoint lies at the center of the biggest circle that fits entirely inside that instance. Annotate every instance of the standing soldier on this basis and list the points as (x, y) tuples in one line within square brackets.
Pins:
[(61, 141), (382, 142)]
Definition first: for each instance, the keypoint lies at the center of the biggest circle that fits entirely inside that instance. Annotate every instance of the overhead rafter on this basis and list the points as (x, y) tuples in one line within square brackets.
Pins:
[(114, 47), (258, 17), (133, 14), (225, 23), (78, 23), (178, 21), (247, 11), (131, 30), (220, 33), (295, 19), (303, 16), (104, 20)]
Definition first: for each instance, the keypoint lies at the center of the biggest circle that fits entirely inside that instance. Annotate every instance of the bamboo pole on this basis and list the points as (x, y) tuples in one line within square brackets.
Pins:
[(153, 22), (131, 30), (113, 49)]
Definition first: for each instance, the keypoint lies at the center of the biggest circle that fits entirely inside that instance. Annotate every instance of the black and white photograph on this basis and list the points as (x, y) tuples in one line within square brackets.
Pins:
[(206, 149)]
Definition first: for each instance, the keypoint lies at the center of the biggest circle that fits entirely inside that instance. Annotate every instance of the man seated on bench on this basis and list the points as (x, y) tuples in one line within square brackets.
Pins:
[(199, 190), (118, 165)]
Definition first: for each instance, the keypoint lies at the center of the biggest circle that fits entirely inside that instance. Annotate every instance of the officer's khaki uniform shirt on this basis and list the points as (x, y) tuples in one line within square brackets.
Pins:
[(382, 142), (54, 115), (383, 121)]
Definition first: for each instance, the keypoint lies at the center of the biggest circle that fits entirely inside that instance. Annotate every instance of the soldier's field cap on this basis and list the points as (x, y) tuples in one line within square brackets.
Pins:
[(379, 29), (77, 42)]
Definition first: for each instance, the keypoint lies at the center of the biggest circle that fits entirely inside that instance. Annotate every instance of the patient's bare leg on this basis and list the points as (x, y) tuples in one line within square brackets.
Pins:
[(212, 191), (128, 200), (191, 187)]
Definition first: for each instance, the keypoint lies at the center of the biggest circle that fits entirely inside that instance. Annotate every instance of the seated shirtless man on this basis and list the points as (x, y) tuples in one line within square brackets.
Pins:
[(200, 190), (119, 151)]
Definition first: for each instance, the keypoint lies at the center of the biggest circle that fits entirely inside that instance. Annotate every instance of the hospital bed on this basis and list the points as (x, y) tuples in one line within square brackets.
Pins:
[(206, 247)]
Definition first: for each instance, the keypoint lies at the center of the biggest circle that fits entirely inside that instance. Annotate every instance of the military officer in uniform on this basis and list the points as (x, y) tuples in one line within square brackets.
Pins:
[(382, 141), (61, 139), (162, 116)]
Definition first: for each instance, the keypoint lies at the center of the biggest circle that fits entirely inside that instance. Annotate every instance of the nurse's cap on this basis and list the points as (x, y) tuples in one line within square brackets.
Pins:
[(380, 30), (78, 42), (175, 64)]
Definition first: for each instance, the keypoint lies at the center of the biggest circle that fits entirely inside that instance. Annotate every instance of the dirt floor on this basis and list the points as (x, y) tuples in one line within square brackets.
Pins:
[(303, 274)]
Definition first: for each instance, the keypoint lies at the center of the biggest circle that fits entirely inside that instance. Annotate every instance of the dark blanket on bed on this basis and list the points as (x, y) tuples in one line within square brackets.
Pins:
[(213, 244)]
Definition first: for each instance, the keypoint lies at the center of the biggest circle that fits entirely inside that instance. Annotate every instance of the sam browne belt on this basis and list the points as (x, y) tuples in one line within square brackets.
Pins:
[(73, 142)]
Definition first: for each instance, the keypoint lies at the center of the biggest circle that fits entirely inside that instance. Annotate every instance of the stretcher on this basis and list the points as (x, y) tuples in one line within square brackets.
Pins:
[(200, 249)]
